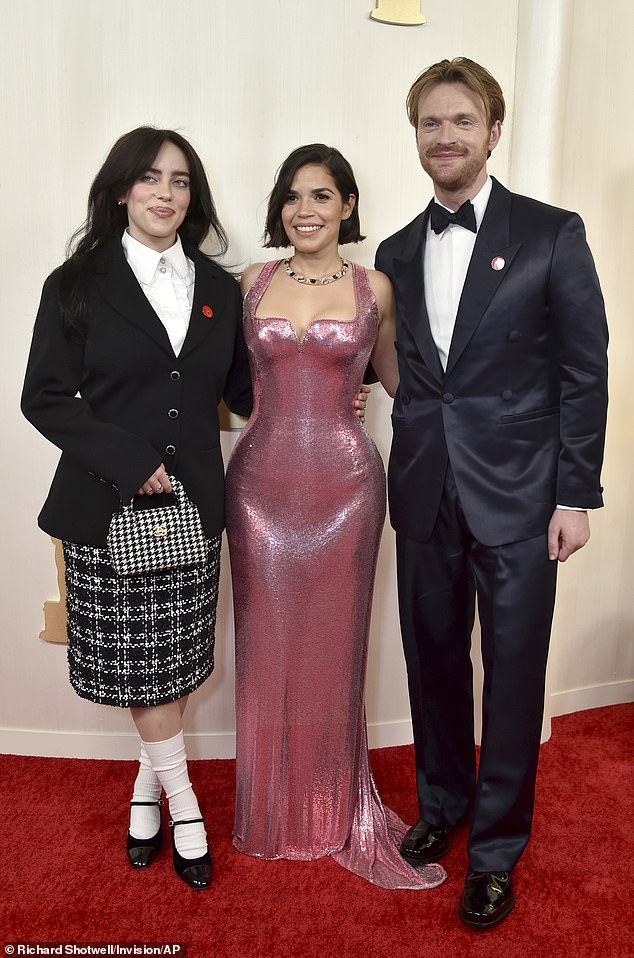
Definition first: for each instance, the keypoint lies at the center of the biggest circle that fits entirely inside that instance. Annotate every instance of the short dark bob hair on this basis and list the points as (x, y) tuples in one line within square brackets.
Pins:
[(315, 154)]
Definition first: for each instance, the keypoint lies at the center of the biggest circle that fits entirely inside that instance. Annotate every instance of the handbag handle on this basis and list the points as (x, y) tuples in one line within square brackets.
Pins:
[(177, 490)]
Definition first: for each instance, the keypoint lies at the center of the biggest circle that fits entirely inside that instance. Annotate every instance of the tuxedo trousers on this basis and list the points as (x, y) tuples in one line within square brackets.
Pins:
[(439, 582)]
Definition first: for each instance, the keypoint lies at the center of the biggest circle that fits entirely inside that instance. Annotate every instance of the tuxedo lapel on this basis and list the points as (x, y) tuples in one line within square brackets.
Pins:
[(408, 273), (121, 289), (482, 280)]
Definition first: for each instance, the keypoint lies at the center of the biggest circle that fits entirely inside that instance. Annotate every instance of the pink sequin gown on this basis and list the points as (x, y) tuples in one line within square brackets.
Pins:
[(305, 510)]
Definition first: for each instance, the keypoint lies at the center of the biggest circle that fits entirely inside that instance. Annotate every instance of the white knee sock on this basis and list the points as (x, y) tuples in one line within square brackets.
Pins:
[(169, 762), (145, 819)]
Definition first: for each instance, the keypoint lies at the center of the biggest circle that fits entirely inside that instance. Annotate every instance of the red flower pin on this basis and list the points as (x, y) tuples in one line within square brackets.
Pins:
[(207, 311)]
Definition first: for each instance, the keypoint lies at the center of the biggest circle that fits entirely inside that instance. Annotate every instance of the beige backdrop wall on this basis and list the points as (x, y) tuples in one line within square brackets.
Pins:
[(246, 81)]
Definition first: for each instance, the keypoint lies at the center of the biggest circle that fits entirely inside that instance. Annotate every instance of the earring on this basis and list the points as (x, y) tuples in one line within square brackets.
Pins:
[(120, 202)]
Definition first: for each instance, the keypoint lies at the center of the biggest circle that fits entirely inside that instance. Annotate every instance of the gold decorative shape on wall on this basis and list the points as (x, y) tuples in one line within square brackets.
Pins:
[(55, 611), (400, 12)]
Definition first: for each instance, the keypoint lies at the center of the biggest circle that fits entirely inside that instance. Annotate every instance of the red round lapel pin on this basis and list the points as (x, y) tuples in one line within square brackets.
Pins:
[(208, 311), (498, 262)]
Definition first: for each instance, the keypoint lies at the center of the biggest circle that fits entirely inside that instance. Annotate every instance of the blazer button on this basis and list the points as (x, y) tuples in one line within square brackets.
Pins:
[(173, 413), (507, 395), (448, 397), (170, 450), (175, 375), (514, 335), (405, 399)]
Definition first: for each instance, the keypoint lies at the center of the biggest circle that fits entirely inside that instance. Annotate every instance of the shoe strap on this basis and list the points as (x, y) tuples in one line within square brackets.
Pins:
[(160, 802), (186, 821)]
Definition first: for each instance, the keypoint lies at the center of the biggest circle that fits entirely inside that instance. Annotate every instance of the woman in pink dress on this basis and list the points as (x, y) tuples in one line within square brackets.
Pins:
[(305, 510)]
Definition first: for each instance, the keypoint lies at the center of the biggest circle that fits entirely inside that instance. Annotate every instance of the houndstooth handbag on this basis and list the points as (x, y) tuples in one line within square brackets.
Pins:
[(151, 540)]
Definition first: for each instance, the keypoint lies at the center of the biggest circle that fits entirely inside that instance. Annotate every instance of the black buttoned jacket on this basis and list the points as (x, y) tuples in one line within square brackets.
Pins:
[(117, 401)]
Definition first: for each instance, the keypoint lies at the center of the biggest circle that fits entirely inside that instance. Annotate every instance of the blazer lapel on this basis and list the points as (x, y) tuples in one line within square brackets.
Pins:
[(410, 282), (205, 294), (121, 289), (482, 280)]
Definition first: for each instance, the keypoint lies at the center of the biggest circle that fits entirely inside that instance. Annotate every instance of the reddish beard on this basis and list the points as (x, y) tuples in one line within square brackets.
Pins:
[(454, 179)]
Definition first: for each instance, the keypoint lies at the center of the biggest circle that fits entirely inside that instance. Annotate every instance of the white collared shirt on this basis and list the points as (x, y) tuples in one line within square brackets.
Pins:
[(167, 279), (445, 264)]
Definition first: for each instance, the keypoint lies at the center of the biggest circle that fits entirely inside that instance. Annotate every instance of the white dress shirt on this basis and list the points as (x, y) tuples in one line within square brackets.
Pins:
[(445, 264), (167, 279)]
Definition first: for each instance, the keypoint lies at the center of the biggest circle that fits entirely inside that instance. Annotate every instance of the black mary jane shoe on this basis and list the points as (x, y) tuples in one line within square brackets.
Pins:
[(487, 898), (425, 843), (143, 851), (195, 872)]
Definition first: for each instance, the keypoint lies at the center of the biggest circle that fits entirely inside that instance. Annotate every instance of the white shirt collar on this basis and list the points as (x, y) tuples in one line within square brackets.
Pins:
[(479, 201), (144, 261)]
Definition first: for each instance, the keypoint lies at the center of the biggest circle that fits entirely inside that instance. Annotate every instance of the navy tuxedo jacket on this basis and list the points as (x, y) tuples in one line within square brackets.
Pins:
[(520, 411), (118, 401)]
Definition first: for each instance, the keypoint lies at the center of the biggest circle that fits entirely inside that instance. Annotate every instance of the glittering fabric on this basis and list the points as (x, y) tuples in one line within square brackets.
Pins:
[(305, 510)]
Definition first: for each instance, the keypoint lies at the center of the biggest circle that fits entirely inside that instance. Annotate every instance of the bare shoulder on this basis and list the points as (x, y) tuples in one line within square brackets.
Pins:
[(379, 282), (382, 288), (250, 275)]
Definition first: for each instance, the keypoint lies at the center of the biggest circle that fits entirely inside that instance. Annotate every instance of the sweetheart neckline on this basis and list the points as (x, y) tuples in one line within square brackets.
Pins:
[(322, 319)]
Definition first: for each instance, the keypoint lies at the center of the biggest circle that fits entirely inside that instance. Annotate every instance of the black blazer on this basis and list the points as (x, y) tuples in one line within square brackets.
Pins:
[(520, 411), (118, 402)]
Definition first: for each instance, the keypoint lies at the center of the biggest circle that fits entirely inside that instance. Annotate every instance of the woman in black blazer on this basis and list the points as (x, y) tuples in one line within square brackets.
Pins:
[(137, 339)]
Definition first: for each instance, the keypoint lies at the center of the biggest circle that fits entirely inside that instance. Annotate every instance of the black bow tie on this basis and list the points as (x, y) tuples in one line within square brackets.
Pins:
[(464, 216)]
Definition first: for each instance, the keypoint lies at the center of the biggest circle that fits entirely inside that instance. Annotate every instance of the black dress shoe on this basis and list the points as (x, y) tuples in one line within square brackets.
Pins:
[(425, 843), (143, 851), (487, 898), (196, 872)]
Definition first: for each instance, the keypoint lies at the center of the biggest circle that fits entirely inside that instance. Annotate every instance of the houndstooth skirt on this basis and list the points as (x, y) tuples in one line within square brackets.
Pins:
[(139, 640)]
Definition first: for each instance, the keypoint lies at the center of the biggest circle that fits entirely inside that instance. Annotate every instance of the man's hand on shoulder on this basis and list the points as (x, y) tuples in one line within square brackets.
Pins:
[(568, 531)]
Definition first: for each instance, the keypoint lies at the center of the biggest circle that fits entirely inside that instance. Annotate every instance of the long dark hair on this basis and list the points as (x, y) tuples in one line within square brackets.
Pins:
[(130, 157), (314, 154)]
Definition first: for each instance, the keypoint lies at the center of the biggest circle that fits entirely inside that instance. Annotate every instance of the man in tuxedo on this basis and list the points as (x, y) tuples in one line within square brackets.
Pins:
[(499, 427)]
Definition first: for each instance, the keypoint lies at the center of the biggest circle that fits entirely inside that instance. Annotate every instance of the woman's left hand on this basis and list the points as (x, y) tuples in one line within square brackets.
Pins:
[(360, 400), (157, 483)]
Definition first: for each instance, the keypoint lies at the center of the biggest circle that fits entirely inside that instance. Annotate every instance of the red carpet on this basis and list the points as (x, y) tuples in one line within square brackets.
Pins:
[(65, 878)]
